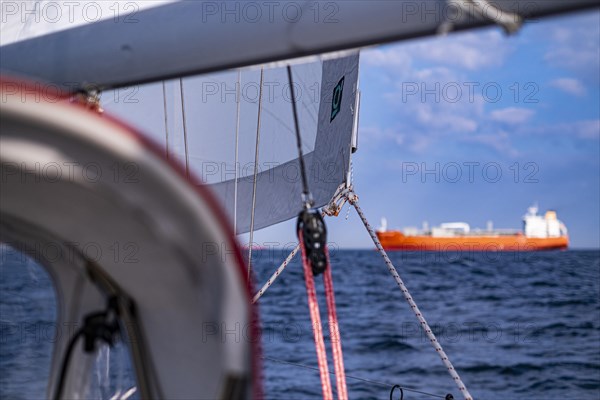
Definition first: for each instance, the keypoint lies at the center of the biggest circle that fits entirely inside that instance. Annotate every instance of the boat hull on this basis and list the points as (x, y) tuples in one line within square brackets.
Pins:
[(394, 240)]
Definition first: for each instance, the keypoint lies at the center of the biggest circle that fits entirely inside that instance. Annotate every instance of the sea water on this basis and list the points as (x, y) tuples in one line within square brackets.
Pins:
[(515, 326)]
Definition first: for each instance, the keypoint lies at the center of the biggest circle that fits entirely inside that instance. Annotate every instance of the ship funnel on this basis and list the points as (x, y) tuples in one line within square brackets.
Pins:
[(383, 226), (533, 210)]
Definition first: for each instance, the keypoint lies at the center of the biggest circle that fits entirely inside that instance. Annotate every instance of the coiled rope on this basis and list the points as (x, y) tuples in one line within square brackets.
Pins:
[(353, 199)]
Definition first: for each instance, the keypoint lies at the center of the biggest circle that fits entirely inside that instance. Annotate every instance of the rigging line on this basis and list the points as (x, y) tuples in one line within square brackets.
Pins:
[(185, 141), (312, 112), (315, 103), (278, 271), (352, 377), (237, 133), (276, 274), (352, 199), (260, 95), (164, 90), (306, 197)]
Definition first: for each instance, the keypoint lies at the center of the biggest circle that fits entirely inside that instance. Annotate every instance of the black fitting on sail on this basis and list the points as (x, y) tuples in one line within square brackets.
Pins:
[(313, 232)]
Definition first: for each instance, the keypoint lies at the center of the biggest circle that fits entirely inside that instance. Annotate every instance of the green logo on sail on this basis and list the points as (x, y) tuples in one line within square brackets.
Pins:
[(336, 101)]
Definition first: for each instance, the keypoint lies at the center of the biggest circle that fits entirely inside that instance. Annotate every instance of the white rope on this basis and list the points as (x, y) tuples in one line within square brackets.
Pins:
[(351, 185), (260, 94), (276, 274), (237, 135), (352, 199)]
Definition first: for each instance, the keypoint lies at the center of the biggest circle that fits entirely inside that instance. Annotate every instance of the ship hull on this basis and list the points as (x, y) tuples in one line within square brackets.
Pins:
[(393, 240)]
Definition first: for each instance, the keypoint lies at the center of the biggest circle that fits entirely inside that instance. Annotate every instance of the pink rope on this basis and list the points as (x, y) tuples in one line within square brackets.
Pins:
[(315, 317), (334, 332)]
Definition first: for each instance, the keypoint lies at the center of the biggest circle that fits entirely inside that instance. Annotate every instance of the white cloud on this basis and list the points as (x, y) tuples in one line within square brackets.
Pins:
[(417, 143), (587, 129), (427, 117), (395, 57), (433, 103), (469, 51), (500, 141), (575, 46), (512, 115), (583, 129), (569, 85)]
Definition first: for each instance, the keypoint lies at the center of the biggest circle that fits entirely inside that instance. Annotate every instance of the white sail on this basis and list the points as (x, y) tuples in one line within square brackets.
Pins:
[(326, 146), (208, 143)]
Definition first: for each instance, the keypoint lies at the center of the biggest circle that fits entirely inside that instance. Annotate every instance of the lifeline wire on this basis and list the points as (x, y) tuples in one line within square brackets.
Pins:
[(388, 385)]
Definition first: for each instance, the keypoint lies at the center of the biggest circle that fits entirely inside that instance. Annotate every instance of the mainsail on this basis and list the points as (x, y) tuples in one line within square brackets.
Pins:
[(327, 126), (196, 120)]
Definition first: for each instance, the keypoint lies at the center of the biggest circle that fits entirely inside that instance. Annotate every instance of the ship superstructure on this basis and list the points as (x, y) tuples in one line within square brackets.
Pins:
[(539, 233)]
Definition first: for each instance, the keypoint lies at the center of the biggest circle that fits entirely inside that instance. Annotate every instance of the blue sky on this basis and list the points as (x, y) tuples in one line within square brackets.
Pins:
[(500, 122)]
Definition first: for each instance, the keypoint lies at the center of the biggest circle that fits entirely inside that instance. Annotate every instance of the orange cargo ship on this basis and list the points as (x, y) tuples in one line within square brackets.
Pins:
[(539, 233)]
